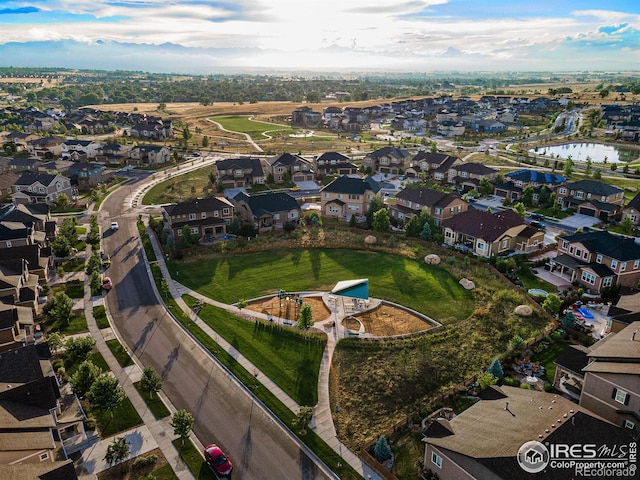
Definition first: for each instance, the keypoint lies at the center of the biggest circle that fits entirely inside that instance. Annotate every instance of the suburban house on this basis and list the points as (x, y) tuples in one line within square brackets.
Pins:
[(40, 421), (467, 176), (152, 128), (515, 182), (80, 149), (113, 153), (19, 141), (412, 201), (427, 163), (334, 163), (37, 257), (88, 175), (18, 286), (597, 260), (149, 155), (7, 182), (306, 116), (611, 388), (484, 440), (206, 217), (298, 169), (33, 215), (240, 172), (267, 211), (347, 196), (489, 234), (46, 147), (42, 188), (16, 327), (591, 197), (390, 160), (569, 377), (631, 210), (16, 234), (19, 165)]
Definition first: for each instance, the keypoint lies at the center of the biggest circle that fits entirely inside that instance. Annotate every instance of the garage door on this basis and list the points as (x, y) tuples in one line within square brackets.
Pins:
[(587, 211)]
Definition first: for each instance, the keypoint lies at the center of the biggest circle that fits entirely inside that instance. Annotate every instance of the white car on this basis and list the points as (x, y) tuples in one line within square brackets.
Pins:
[(114, 226)]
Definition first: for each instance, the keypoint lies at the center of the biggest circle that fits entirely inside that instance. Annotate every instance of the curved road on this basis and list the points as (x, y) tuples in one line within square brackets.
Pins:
[(224, 413)]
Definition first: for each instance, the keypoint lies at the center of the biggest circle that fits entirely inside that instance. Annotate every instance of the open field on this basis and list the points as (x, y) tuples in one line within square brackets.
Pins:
[(194, 184), (257, 130)]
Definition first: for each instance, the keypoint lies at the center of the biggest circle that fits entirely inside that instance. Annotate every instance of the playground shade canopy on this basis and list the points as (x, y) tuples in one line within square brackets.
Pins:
[(352, 288)]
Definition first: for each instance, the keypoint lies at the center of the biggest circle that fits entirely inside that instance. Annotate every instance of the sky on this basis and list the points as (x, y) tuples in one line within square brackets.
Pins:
[(208, 37)]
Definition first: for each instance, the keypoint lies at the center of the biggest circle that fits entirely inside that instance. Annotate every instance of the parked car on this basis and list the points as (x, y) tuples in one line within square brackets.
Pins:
[(106, 259), (114, 226), (536, 216), (106, 283), (217, 460), (538, 224)]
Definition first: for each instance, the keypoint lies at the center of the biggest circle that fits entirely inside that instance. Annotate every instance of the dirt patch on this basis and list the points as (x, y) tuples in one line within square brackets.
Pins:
[(271, 306), (387, 320), (125, 470), (351, 323)]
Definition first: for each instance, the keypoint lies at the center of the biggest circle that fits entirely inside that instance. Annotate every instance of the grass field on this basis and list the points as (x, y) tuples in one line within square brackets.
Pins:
[(124, 417), (288, 358), (76, 324), (429, 290), (194, 184), (256, 130)]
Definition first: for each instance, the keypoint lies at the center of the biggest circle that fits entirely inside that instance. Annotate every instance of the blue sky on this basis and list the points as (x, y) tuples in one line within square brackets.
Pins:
[(199, 36)]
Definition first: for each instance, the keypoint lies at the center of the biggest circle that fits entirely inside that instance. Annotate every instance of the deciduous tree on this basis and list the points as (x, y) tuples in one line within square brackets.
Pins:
[(182, 423)]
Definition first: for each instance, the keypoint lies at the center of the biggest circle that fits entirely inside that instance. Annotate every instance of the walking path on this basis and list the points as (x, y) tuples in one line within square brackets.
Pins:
[(322, 422)]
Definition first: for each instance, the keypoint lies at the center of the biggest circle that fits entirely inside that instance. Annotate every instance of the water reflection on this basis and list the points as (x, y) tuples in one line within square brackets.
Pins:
[(580, 152)]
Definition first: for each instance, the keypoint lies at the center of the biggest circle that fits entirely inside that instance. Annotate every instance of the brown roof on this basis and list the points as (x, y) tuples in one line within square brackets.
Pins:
[(624, 345), (484, 225), (26, 440)]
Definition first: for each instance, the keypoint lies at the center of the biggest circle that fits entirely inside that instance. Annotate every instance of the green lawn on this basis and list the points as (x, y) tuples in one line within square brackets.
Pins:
[(146, 242), (124, 418), (73, 265), (119, 352), (162, 473), (96, 358), (192, 184), (100, 315), (529, 280), (241, 123), (194, 460), (155, 405), (284, 355), (72, 289), (427, 289), (76, 324), (546, 358)]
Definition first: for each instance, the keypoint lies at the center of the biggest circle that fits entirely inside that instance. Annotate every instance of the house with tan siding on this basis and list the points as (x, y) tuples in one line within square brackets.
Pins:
[(347, 196)]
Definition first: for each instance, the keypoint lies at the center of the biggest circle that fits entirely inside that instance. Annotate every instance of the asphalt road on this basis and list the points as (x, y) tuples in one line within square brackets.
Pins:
[(224, 413)]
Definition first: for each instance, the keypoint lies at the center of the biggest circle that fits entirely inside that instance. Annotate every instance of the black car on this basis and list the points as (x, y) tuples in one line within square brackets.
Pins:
[(537, 216), (538, 224)]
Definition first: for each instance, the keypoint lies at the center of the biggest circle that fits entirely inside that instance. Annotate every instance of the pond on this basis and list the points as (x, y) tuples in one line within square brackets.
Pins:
[(597, 152)]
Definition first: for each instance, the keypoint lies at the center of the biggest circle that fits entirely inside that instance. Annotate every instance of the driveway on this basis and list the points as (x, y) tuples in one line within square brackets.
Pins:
[(579, 221)]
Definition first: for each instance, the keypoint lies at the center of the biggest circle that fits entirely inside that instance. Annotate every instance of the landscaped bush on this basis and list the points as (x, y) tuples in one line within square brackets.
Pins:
[(142, 462), (511, 382)]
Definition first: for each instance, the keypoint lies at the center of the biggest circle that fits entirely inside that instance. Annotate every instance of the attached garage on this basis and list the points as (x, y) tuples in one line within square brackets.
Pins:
[(587, 211)]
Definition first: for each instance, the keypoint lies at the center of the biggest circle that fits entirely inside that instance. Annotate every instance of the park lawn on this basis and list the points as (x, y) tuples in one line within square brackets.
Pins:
[(546, 358), (427, 289), (155, 404), (255, 129), (100, 315), (119, 352), (289, 358), (124, 418), (181, 187), (193, 459)]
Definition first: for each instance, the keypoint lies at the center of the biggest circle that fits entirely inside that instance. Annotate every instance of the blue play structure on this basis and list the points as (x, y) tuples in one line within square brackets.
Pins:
[(585, 312)]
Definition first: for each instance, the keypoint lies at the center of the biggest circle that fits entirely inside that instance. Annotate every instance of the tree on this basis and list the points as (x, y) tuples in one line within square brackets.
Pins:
[(95, 284), (305, 318), (117, 451), (516, 343), (63, 305), (426, 233), (62, 201), (187, 239), (205, 142), (150, 382), (496, 369), (552, 304), (485, 187), (568, 168), (182, 423), (212, 178), (627, 225), (94, 263), (78, 349), (68, 230), (352, 221), (527, 196), (382, 450), (376, 204), (381, 221), (304, 416), (520, 209), (61, 246), (106, 394), (84, 377), (55, 340), (485, 379), (413, 227)]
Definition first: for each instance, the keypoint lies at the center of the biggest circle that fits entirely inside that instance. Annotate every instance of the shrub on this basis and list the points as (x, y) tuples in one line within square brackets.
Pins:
[(143, 462), (511, 382), (382, 450), (525, 386)]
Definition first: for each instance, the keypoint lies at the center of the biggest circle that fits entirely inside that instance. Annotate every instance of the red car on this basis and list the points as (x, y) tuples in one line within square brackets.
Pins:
[(217, 460), (106, 283)]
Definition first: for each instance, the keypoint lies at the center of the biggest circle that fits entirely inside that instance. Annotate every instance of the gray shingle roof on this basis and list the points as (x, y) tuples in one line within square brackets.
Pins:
[(346, 184), (605, 243), (594, 187)]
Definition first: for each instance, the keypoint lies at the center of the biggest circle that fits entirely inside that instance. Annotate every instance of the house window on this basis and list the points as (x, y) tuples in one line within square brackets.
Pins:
[(204, 214), (293, 214), (571, 249), (225, 211), (179, 233), (436, 459), (578, 252), (276, 216), (192, 216), (437, 211), (629, 424), (409, 203), (585, 255), (326, 195), (41, 189), (505, 243), (579, 194), (333, 209), (623, 266), (607, 282), (636, 264), (340, 196), (354, 197), (44, 456), (588, 278), (354, 207), (599, 259), (194, 230), (8, 244), (565, 244), (614, 264), (620, 396), (562, 191)]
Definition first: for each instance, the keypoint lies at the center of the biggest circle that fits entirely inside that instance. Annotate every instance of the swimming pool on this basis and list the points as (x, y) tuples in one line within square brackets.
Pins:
[(585, 312), (537, 292)]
